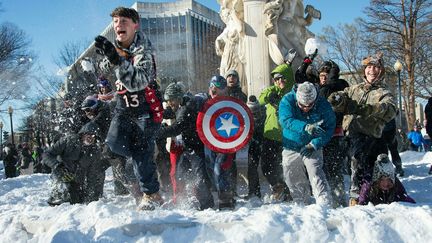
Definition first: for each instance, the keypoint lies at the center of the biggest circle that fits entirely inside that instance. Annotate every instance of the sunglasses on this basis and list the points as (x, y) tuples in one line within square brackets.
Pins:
[(306, 106), (217, 85)]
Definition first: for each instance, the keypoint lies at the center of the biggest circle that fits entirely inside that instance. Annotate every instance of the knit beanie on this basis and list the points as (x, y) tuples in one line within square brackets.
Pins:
[(383, 167), (306, 93), (254, 105), (174, 91), (232, 72)]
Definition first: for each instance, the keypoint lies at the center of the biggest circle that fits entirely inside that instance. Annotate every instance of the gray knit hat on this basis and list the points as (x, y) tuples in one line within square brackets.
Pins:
[(383, 167), (173, 91), (254, 105), (306, 93), (231, 72)]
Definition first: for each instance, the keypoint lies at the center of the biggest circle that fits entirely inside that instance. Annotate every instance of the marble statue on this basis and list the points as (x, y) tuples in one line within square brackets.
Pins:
[(261, 34), (230, 44), (285, 27)]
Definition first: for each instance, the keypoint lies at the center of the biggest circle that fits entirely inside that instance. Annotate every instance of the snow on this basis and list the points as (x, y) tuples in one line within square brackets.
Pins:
[(25, 217)]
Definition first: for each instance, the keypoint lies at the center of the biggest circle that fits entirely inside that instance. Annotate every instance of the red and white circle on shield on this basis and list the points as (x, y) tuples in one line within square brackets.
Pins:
[(225, 124)]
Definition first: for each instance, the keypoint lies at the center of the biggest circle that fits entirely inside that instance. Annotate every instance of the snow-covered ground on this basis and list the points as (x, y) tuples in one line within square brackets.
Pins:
[(25, 217)]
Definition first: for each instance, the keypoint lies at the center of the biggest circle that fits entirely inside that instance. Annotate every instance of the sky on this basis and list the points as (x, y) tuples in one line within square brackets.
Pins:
[(51, 24), (26, 217)]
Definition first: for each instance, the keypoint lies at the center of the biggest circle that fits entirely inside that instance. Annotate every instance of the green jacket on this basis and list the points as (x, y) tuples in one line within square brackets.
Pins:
[(272, 129)]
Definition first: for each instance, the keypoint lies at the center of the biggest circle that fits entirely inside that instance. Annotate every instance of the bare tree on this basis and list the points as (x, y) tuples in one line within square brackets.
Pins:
[(346, 46), (402, 29), (69, 53), (16, 61)]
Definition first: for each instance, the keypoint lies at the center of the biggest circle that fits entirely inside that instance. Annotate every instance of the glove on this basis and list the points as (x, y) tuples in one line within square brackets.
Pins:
[(273, 98), (289, 58), (105, 47), (311, 57), (365, 110), (337, 101), (315, 129), (307, 150), (64, 174)]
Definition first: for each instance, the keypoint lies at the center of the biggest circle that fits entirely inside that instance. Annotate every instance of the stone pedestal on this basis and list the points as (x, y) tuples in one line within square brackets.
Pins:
[(257, 67)]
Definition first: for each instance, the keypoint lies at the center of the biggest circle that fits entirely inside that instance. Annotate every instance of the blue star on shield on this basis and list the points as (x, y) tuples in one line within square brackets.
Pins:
[(227, 124)]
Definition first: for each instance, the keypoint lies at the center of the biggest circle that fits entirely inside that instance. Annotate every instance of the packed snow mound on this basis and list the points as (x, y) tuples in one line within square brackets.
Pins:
[(25, 217)]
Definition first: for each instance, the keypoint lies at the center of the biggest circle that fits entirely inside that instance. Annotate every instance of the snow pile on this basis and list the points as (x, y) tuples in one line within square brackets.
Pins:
[(25, 216)]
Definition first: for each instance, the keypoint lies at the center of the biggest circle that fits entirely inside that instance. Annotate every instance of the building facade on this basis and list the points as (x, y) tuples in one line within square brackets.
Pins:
[(183, 35)]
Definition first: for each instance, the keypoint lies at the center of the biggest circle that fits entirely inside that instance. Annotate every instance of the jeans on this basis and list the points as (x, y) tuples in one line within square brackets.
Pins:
[(220, 168), (133, 137)]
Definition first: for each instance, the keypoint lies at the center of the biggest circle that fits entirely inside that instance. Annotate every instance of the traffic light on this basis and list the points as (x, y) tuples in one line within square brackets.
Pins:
[(5, 135)]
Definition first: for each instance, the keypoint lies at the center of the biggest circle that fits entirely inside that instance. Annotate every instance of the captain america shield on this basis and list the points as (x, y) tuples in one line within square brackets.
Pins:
[(225, 124)]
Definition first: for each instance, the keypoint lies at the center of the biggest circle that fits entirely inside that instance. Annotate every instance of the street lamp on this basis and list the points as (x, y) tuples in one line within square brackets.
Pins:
[(398, 68), (10, 111), (1, 140)]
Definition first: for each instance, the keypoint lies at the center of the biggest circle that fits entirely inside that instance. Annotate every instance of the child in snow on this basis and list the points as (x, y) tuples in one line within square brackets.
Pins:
[(385, 186)]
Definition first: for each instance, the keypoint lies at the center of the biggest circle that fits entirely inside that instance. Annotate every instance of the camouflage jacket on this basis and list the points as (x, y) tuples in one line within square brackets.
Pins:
[(380, 98), (137, 67)]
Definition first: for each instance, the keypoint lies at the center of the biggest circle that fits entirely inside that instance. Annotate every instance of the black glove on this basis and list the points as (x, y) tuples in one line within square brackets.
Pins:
[(273, 98), (105, 47), (312, 56), (64, 174), (300, 74), (366, 109), (337, 101), (315, 129), (307, 150)]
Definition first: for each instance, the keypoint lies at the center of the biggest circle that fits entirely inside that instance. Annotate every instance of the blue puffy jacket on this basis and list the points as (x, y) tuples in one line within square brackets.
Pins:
[(293, 121), (416, 138)]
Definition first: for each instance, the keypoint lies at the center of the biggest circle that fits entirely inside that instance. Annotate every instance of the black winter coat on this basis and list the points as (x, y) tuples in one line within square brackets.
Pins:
[(334, 85), (67, 151), (11, 157), (185, 124), (102, 119), (237, 92)]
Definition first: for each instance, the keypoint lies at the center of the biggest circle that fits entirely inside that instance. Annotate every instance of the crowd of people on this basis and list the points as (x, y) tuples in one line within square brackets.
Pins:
[(311, 128)]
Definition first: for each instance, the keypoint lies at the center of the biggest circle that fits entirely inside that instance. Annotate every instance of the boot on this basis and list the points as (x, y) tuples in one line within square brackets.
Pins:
[(353, 202), (430, 170), (280, 193), (226, 200), (150, 201)]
